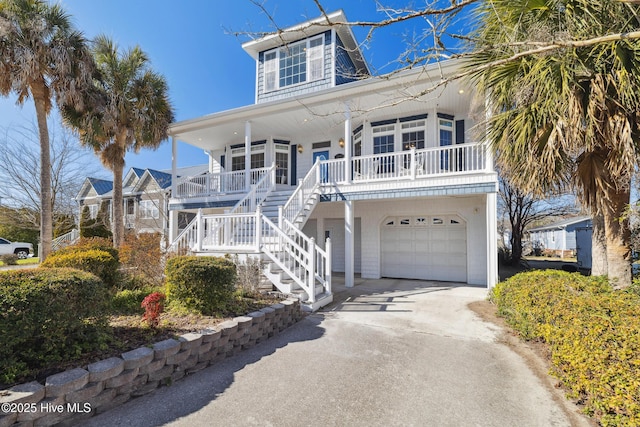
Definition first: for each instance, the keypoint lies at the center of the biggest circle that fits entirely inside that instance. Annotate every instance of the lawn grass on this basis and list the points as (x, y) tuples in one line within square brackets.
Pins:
[(28, 261)]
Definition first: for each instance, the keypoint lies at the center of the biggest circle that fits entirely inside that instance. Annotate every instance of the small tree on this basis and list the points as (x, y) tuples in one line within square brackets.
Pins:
[(95, 227)]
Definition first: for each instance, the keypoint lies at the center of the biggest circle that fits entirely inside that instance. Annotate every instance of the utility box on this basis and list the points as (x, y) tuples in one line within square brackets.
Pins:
[(583, 248)]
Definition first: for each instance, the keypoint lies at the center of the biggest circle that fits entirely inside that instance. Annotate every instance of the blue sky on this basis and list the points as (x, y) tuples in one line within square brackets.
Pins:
[(207, 70)]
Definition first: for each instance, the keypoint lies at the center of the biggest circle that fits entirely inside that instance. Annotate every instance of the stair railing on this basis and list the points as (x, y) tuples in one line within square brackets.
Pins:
[(258, 192), (65, 240), (300, 258), (306, 188), (186, 241)]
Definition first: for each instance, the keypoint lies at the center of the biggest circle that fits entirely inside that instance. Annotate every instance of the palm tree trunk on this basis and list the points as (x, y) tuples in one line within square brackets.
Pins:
[(118, 211), (46, 214), (598, 247), (617, 238)]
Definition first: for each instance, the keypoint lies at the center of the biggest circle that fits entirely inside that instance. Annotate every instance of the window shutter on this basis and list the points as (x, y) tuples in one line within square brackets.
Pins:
[(459, 131)]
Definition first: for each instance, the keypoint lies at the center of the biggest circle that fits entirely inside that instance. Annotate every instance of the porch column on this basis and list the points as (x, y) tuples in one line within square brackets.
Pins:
[(347, 144), (488, 150), (174, 165), (349, 255), (173, 226), (492, 239), (247, 154)]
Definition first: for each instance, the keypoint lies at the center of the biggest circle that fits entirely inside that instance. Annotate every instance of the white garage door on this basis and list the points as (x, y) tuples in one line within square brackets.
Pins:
[(424, 247)]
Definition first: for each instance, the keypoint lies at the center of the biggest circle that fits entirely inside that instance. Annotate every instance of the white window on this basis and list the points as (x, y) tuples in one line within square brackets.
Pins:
[(270, 71), (93, 211), (357, 144), (149, 209), (413, 135), (257, 158), (294, 64), (316, 58)]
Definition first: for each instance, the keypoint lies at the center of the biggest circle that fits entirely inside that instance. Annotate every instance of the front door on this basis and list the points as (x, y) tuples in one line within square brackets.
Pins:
[(322, 155)]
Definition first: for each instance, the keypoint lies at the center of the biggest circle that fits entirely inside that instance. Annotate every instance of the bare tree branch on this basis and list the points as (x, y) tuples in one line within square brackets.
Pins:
[(20, 171)]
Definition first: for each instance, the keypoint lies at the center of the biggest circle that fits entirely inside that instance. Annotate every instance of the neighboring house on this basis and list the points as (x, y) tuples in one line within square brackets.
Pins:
[(334, 171), (559, 237), (145, 194)]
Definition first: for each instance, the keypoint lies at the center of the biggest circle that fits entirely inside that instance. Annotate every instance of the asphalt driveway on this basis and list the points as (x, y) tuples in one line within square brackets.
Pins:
[(387, 353)]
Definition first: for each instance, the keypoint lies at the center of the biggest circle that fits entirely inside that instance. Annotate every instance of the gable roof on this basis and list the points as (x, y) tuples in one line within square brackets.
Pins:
[(562, 224), (139, 172), (162, 178), (334, 20), (101, 186)]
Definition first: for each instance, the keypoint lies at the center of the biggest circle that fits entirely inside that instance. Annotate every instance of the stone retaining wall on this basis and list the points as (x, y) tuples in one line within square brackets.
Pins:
[(68, 397)]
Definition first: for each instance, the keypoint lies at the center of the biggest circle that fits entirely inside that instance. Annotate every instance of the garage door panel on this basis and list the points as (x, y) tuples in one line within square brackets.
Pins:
[(433, 249)]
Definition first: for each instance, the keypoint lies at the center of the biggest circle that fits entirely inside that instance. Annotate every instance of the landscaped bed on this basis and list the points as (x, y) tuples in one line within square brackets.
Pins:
[(56, 317), (592, 333)]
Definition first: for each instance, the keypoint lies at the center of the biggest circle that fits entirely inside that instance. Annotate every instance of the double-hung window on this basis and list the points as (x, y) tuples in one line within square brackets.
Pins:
[(257, 158), (270, 71), (413, 135), (149, 209), (93, 211), (294, 64), (383, 142)]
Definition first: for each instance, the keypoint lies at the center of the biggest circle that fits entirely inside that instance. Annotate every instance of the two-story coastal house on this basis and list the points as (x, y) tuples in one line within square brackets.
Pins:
[(334, 170)]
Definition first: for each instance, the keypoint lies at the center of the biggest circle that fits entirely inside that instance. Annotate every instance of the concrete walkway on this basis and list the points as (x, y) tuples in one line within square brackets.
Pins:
[(387, 353)]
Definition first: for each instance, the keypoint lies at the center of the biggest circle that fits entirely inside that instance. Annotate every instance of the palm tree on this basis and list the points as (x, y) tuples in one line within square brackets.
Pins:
[(567, 117), (130, 110), (42, 57)]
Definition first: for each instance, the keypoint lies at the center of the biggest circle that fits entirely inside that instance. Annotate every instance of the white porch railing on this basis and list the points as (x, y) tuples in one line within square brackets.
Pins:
[(412, 164), (216, 183), (65, 240), (189, 239)]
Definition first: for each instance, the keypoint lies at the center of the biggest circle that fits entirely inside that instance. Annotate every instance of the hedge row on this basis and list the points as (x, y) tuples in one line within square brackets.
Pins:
[(48, 316), (593, 333)]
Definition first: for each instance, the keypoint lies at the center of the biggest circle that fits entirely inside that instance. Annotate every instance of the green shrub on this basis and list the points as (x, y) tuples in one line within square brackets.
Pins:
[(48, 316), (593, 334), (100, 262), (89, 243), (9, 259), (202, 284), (127, 301)]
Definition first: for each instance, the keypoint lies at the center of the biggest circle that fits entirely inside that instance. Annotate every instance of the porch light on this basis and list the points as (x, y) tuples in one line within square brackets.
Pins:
[(300, 149), (341, 142)]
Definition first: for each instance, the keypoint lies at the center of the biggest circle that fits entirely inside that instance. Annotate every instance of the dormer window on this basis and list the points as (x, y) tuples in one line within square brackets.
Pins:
[(296, 63)]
